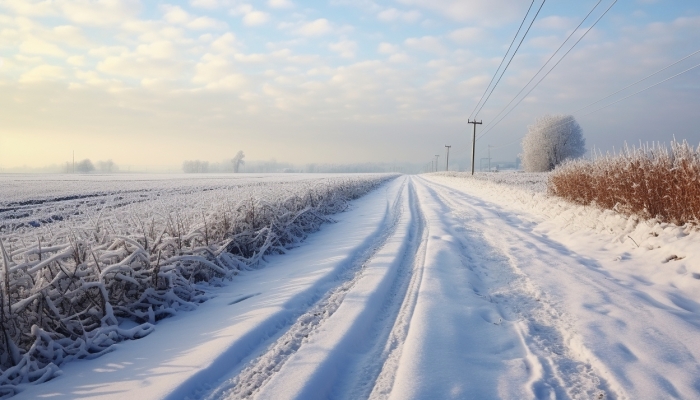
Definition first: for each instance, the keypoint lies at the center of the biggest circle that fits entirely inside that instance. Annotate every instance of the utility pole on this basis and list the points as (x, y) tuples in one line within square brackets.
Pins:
[(474, 141), (436, 162), (489, 146), (447, 164), (73, 161)]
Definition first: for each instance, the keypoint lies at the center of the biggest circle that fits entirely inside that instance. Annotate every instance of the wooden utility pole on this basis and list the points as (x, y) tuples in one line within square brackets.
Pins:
[(489, 146), (474, 141), (447, 164)]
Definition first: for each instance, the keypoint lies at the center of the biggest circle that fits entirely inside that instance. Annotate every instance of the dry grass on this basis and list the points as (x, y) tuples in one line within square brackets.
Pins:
[(649, 181)]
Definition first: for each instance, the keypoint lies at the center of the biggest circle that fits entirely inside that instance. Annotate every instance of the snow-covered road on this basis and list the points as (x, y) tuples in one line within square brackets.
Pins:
[(424, 290)]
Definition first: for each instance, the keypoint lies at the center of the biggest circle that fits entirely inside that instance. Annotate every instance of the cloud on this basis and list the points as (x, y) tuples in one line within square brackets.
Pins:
[(280, 4), (215, 72), (485, 12), (554, 22), (152, 60), (161, 50), (100, 12), (225, 43), (251, 17), (346, 48), (42, 73), (208, 4), (399, 58), (77, 61), (387, 48), (466, 35), (34, 45), (318, 27), (392, 14), (255, 18), (176, 15), (430, 44), (206, 23)]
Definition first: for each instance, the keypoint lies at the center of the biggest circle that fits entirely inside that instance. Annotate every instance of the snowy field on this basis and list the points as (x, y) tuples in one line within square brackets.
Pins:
[(436, 286)]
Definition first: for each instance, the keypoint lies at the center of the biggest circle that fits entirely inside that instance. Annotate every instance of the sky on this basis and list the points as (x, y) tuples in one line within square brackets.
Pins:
[(153, 83)]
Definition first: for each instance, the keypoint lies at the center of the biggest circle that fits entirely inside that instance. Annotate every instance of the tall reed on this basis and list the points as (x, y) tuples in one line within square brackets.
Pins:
[(652, 181)]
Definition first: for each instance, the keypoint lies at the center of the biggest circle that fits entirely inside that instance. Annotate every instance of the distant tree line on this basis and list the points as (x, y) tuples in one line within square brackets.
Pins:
[(195, 167), (86, 166)]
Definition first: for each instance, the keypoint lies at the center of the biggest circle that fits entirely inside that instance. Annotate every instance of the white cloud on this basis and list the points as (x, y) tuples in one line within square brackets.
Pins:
[(346, 48), (161, 50), (554, 22), (387, 48), (280, 4), (318, 27), (77, 61), (42, 73), (255, 18), (399, 58), (392, 14), (466, 35), (250, 58), (208, 4), (71, 36), (216, 73), (429, 44), (153, 60), (33, 45), (204, 23), (225, 43), (176, 15), (106, 51), (100, 12), (486, 12)]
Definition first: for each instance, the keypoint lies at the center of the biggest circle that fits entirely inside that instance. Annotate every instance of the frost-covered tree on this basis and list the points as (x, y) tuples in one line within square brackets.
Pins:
[(551, 140), (107, 166), (85, 166), (195, 167), (237, 161)]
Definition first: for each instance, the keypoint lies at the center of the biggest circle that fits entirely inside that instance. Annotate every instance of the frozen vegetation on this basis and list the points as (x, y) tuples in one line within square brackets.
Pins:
[(81, 257), (439, 286)]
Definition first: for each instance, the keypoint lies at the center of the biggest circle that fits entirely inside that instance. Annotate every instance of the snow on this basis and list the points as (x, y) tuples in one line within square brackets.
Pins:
[(435, 286)]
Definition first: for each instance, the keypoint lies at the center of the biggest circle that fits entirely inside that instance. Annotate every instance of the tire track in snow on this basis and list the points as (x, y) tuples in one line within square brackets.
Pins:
[(260, 370), (374, 375), (546, 332)]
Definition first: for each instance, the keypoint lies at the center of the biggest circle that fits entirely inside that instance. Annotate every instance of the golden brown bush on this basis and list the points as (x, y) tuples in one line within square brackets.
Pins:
[(649, 181)]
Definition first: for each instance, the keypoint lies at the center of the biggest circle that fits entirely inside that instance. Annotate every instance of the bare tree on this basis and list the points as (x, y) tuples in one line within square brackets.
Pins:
[(551, 140), (238, 161)]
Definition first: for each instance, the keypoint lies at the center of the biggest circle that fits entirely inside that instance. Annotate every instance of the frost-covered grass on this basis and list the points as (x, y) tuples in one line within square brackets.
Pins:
[(651, 182), (532, 181), (135, 250)]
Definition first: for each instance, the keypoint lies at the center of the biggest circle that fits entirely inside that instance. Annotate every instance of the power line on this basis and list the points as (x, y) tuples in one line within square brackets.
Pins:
[(614, 102), (632, 84), (636, 93), (504, 58), (511, 58), (487, 129), (550, 59)]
